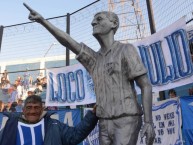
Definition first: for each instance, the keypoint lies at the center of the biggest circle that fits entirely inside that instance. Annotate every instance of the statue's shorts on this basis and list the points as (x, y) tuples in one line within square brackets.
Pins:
[(119, 131)]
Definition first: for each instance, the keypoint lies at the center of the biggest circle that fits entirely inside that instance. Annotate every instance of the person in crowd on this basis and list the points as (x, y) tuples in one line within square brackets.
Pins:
[(30, 80), (13, 107), (114, 69), (43, 104), (6, 107), (39, 77), (3, 81), (5, 75), (30, 93), (38, 89), (190, 91), (35, 126), (26, 77), (172, 93), (19, 80), (19, 106), (19, 89), (7, 84), (4, 94), (44, 82), (14, 94), (1, 106)]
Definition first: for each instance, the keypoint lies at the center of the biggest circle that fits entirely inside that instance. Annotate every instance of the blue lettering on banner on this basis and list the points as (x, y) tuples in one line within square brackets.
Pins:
[(169, 116), (171, 123), (159, 73), (171, 130), (64, 86), (157, 140), (51, 90), (80, 83), (157, 117), (160, 132), (161, 125)]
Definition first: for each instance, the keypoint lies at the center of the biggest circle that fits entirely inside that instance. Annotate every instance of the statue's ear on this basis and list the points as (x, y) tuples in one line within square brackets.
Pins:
[(115, 24)]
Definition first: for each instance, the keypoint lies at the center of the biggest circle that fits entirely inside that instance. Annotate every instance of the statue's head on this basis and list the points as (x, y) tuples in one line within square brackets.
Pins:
[(112, 17)]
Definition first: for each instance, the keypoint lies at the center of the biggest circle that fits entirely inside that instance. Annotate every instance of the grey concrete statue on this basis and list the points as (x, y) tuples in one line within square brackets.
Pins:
[(114, 68)]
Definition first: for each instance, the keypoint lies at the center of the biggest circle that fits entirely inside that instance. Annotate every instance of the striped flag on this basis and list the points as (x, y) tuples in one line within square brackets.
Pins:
[(30, 134)]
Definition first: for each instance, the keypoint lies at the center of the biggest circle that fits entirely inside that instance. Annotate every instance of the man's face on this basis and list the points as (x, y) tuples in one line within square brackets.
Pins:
[(101, 24), (20, 102), (172, 95), (32, 112), (16, 82)]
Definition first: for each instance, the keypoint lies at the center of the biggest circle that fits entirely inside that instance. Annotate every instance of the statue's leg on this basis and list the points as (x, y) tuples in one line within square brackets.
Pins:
[(126, 130), (104, 136)]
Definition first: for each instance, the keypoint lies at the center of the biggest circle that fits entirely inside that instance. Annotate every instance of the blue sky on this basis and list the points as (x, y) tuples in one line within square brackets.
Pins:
[(13, 12)]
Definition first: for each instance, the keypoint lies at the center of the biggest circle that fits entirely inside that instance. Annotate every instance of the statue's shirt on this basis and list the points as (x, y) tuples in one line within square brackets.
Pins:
[(113, 73)]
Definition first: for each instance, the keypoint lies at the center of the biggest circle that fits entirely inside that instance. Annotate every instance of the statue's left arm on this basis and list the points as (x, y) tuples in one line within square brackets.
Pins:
[(146, 92)]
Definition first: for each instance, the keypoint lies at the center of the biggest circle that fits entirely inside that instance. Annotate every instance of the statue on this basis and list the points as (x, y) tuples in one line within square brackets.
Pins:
[(114, 68)]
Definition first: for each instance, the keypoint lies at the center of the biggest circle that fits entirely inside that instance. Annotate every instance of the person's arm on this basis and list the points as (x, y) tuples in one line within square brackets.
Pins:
[(1, 134), (146, 91), (75, 135), (60, 35)]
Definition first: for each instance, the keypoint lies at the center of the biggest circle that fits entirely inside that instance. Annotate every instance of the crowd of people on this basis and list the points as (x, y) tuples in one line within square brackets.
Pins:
[(13, 94)]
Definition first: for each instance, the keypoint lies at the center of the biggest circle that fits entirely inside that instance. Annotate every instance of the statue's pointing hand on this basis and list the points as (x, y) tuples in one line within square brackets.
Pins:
[(33, 16)]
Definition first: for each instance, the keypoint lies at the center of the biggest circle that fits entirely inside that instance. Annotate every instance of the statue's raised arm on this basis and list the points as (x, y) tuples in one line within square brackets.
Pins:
[(60, 35)]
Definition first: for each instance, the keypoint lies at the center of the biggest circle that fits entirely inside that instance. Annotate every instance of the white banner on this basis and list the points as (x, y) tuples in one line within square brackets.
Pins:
[(68, 86), (167, 123), (166, 55)]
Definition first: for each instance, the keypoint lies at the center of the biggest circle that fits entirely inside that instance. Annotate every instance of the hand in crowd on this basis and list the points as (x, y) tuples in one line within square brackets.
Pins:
[(94, 109)]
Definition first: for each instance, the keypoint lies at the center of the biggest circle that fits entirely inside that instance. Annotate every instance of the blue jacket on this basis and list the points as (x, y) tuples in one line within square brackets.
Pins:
[(56, 133)]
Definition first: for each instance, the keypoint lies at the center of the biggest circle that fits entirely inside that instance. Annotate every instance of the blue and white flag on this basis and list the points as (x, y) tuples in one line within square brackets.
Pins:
[(30, 134), (167, 123), (187, 119)]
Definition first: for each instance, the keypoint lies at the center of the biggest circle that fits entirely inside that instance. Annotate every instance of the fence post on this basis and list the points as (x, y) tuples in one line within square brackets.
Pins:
[(153, 30), (1, 35), (68, 32), (151, 16)]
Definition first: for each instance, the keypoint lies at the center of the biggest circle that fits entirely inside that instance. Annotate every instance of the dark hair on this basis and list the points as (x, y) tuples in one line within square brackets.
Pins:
[(33, 99), (172, 91), (14, 104)]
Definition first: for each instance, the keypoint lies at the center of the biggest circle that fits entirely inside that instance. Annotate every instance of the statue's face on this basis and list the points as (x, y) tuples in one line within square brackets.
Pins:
[(101, 24)]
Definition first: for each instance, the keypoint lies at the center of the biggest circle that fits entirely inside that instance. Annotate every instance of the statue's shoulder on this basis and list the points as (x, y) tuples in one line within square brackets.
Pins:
[(126, 46)]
